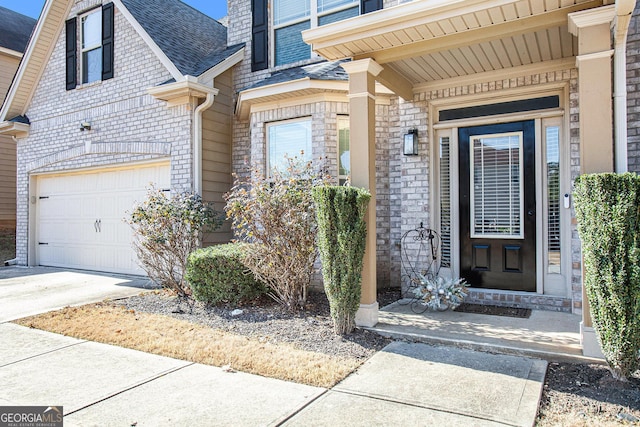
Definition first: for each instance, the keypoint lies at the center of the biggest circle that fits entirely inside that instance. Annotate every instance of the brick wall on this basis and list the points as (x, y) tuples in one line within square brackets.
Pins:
[(127, 124), (633, 92)]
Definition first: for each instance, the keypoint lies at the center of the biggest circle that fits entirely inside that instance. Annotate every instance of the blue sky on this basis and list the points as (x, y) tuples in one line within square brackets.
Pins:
[(214, 8)]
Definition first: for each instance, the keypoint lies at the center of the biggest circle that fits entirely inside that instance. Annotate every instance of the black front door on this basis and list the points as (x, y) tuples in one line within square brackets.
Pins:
[(498, 206)]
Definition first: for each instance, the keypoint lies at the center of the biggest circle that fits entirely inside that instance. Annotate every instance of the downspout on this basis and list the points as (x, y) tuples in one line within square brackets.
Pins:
[(624, 9), (197, 136)]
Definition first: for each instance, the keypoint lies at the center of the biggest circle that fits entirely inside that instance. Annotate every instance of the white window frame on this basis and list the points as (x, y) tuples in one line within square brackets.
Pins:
[(307, 155), (343, 123), (84, 49), (314, 17)]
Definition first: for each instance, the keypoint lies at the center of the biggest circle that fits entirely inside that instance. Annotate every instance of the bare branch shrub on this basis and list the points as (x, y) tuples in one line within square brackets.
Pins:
[(278, 215), (166, 230)]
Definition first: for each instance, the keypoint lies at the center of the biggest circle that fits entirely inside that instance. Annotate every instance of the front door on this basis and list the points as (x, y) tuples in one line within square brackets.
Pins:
[(498, 206)]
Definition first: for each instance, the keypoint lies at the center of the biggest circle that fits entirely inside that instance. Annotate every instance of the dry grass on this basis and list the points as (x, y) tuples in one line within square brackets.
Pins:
[(166, 336)]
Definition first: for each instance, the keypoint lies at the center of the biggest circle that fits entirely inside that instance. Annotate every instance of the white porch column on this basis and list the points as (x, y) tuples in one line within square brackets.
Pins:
[(593, 29), (362, 145)]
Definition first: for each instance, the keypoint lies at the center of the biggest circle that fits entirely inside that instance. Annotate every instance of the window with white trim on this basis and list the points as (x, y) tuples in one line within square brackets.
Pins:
[(291, 138), (344, 154), (89, 41), (91, 46), (291, 17), (551, 135)]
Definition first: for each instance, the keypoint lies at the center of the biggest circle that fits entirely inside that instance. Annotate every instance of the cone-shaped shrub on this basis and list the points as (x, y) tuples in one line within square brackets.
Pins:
[(342, 234), (608, 212)]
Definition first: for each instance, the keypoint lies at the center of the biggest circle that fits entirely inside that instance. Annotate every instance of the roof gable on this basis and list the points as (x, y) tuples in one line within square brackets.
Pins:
[(185, 35), (185, 40)]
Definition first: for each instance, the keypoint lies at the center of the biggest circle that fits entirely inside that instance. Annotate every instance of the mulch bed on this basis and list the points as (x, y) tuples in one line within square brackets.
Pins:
[(494, 310)]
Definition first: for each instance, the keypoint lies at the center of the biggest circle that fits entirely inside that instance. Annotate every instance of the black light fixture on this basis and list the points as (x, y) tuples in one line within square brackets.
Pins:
[(410, 147)]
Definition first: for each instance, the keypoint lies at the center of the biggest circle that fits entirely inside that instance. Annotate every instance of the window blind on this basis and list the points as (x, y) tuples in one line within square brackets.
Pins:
[(496, 187)]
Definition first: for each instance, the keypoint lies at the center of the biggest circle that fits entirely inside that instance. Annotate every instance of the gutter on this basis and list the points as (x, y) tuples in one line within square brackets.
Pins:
[(624, 10), (197, 136)]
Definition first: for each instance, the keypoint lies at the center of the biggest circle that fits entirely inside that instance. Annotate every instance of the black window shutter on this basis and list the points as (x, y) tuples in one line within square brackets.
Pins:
[(259, 35), (71, 53), (367, 6), (107, 41)]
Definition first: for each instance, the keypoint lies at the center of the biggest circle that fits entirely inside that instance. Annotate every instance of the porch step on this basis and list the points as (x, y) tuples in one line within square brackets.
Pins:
[(552, 336)]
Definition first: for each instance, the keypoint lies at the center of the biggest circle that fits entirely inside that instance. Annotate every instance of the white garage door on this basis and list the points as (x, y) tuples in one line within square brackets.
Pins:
[(81, 217)]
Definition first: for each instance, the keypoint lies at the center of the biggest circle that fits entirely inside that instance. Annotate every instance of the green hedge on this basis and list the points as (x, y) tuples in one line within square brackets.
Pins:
[(217, 275), (608, 212), (342, 234)]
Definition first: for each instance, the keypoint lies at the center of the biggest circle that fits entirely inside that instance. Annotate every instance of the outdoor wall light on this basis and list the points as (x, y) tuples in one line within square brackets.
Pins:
[(410, 147), (85, 125)]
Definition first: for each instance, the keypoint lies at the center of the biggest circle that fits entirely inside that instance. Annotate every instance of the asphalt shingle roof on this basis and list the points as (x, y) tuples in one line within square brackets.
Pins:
[(15, 30), (193, 41), (318, 71)]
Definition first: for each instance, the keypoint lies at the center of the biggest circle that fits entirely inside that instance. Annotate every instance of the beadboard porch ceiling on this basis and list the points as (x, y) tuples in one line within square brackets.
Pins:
[(427, 41)]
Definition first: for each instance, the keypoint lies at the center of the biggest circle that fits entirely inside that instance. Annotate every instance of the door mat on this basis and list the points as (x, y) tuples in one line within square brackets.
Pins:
[(494, 310)]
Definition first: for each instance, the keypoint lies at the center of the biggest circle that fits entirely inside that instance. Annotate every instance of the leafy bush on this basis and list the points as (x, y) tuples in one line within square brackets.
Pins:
[(278, 215), (166, 230), (608, 213), (217, 274), (342, 234)]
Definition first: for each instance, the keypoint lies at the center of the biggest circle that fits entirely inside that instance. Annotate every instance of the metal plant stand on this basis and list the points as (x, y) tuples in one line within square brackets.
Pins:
[(419, 251)]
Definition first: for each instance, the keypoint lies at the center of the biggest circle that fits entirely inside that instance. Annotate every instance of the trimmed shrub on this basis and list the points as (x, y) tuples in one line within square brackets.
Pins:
[(277, 215), (342, 234), (608, 212), (217, 274), (166, 229)]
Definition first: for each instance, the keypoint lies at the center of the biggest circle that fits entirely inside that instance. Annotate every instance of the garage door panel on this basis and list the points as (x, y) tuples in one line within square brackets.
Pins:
[(67, 217)]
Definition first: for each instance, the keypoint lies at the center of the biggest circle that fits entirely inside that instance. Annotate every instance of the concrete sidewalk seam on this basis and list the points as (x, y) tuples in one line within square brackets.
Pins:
[(42, 354), (417, 405), (288, 417), (131, 387)]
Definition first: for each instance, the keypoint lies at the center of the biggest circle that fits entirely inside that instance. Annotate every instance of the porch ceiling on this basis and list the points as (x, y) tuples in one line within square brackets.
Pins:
[(429, 40)]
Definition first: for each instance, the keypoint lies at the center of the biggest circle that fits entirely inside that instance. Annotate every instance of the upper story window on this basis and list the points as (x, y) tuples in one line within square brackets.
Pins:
[(93, 41), (277, 34), (91, 36), (291, 17)]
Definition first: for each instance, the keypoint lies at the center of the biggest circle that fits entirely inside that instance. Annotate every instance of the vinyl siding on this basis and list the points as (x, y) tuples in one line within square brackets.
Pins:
[(216, 153)]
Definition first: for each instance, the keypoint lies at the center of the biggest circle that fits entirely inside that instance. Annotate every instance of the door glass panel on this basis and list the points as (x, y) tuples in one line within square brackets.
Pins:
[(496, 185), (552, 139), (344, 155), (445, 201)]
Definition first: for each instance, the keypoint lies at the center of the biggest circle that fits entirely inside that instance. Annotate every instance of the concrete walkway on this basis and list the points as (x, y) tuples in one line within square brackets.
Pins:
[(104, 385), (25, 291), (550, 335), (405, 384)]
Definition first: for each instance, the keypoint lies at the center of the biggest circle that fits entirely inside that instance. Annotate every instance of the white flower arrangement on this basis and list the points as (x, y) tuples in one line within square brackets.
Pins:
[(440, 293)]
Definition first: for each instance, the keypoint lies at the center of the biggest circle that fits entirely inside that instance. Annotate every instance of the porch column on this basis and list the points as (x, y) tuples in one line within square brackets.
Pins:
[(362, 145), (592, 27)]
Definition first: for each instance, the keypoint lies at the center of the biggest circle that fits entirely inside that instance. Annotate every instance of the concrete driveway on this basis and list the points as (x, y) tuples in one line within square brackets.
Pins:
[(25, 291)]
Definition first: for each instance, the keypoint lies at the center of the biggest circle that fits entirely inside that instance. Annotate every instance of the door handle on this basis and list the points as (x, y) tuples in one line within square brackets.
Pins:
[(99, 226), (531, 212), (95, 225)]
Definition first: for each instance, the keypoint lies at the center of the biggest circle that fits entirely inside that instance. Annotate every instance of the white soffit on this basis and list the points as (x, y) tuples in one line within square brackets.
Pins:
[(428, 40)]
